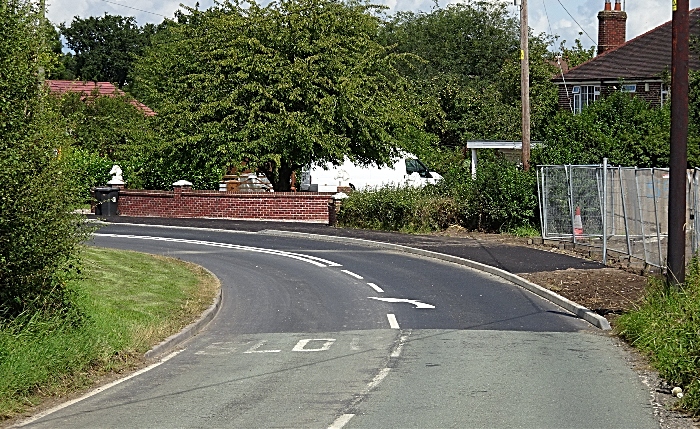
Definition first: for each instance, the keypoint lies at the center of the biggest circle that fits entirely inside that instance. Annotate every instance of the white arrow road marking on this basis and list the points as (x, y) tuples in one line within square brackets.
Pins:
[(319, 262), (417, 303), (376, 288)]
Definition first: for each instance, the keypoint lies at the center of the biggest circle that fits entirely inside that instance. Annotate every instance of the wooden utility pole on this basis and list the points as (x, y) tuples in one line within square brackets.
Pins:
[(679, 143), (525, 84)]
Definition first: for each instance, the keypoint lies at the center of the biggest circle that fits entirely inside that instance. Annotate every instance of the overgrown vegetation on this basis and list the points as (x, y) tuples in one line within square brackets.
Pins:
[(120, 311), (38, 231), (501, 198), (666, 327)]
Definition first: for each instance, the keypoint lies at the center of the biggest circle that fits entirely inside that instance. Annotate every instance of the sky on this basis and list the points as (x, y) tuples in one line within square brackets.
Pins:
[(563, 18)]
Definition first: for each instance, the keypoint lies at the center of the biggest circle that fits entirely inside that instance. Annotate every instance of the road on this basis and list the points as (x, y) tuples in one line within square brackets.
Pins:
[(318, 334)]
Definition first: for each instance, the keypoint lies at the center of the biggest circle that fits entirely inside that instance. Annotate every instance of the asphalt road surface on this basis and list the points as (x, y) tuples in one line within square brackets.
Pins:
[(314, 334)]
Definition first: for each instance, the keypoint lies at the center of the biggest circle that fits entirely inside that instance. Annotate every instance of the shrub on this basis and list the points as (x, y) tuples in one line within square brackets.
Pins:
[(38, 230), (502, 197), (665, 327)]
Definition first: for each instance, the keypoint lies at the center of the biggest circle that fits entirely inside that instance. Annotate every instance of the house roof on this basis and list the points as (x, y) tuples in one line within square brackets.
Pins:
[(646, 56), (88, 88)]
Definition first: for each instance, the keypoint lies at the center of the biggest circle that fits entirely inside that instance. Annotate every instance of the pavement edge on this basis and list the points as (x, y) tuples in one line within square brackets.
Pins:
[(578, 310), (190, 330)]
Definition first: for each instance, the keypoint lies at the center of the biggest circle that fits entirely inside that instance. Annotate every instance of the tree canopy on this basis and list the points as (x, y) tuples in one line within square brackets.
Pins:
[(293, 83), (470, 70), (105, 47)]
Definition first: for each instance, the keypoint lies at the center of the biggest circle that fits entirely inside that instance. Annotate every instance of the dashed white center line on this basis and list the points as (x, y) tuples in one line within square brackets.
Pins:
[(341, 421), (376, 288), (350, 273), (392, 321)]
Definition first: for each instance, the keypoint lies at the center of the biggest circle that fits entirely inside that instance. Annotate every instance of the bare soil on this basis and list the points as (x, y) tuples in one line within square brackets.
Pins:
[(608, 291)]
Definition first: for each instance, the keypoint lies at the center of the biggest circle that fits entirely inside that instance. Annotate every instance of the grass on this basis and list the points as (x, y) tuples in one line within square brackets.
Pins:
[(666, 327), (525, 231), (124, 303)]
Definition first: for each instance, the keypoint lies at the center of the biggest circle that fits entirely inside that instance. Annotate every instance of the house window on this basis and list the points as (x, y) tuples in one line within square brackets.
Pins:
[(629, 88), (584, 95), (665, 94)]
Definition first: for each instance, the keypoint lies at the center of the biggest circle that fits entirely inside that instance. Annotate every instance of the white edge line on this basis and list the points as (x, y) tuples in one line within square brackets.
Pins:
[(376, 288), (96, 391), (350, 273), (570, 306), (341, 421), (392, 321)]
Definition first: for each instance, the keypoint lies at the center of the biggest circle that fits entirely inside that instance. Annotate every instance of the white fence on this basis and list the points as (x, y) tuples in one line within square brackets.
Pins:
[(624, 209)]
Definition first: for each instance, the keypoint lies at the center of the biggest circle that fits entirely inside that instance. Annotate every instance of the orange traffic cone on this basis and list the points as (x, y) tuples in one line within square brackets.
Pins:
[(578, 224)]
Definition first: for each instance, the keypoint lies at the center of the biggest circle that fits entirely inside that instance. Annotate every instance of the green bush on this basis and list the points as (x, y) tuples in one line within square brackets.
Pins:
[(501, 198), (38, 230), (666, 327), (87, 170)]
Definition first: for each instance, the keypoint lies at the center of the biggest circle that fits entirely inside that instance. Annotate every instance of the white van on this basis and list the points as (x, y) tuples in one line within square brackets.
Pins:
[(406, 171)]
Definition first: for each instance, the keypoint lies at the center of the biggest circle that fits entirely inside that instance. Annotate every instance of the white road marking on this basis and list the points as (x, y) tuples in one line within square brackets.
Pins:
[(350, 273), (392, 321), (301, 345), (96, 391), (259, 344), (376, 288), (341, 421), (417, 303), (319, 262), (377, 379), (399, 347), (218, 348)]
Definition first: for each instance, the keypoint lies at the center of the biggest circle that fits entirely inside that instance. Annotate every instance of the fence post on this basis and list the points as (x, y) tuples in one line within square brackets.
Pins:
[(641, 213), (605, 210), (656, 215), (568, 170), (540, 198)]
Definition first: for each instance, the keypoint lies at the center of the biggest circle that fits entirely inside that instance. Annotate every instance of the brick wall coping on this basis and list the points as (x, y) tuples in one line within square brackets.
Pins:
[(212, 193)]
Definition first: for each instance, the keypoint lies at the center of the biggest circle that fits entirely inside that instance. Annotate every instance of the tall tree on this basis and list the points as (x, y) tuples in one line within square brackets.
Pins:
[(39, 232), (105, 47), (470, 69), (293, 83)]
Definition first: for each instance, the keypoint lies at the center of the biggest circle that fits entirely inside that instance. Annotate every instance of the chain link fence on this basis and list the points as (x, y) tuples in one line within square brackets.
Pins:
[(620, 209)]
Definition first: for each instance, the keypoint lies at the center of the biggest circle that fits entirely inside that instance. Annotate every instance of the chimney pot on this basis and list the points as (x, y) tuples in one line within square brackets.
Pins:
[(618, 5), (608, 6)]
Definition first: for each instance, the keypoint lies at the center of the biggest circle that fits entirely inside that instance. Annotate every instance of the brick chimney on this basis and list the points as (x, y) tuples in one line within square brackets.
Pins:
[(612, 27)]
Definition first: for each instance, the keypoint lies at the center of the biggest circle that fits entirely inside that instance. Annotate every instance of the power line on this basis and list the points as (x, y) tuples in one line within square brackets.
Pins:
[(546, 14), (129, 7), (579, 25)]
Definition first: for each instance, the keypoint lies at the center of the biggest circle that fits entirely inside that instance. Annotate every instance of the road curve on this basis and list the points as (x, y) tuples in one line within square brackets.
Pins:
[(317, 334)]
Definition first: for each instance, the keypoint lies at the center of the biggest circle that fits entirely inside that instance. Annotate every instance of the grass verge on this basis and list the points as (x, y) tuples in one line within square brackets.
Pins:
[(125, 302), (666, 327)]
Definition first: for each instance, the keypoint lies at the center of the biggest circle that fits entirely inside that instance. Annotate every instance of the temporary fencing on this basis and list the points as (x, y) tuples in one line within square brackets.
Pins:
[(620, 209)]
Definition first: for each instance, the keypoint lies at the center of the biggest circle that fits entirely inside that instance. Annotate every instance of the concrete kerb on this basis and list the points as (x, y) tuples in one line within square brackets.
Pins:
[(570, 306), (190, 330)]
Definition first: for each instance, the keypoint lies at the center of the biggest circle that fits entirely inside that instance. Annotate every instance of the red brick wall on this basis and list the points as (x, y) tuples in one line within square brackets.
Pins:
[(185, 203)]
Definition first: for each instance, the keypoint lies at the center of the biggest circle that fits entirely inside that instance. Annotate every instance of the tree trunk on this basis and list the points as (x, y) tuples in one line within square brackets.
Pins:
[(284, 176)]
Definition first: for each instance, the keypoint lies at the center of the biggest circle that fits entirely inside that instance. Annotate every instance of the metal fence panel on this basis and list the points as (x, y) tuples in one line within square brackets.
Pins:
[(624, 209)]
